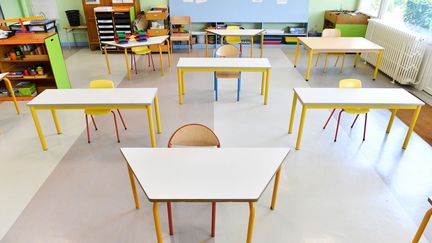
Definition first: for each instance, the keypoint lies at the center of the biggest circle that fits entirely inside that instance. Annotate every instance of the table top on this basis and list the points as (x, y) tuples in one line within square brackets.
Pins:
[(95, 97), (156, 40), (204, 174), (211, 62), (79, 27), (357, 96), (2, 75), (339, 44), (240, 32)]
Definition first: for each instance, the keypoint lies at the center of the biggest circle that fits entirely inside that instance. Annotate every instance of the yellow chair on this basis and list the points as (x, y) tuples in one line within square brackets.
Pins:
[(227, 51), (102, 84), (141, 50), (193, 135), (423, 224), (181, 36), (234, 40), (328, 33), (349, 83)]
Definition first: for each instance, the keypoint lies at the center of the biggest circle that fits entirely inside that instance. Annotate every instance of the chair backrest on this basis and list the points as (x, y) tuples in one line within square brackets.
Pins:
[(233, 39), (194, 135), (331, 33), (101, 84), (227, 51), (350, 83), (180, 20)]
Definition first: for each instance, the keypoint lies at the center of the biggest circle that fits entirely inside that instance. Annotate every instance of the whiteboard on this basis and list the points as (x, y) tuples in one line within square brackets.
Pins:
[(242, 10), (47, 8)]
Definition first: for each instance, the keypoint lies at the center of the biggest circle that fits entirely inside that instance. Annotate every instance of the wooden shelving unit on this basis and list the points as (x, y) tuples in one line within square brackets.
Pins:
[(52, 61), (160, 15)]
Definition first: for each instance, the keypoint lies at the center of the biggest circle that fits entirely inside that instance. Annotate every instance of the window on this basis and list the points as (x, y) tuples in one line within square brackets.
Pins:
[(415, 14), (370, 7)]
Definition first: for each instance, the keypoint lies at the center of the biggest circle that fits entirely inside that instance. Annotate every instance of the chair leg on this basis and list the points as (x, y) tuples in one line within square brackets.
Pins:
[(238, 89), (214, 81), (132, 60), (116, 128), (135, 63), (216, 89), (152, 61), (343, 62), (213, 224), (241, 48), (329, 118), (352, 125), (148, 59), (170, 223), (190, 46), (364, 130), (94, 122), (317, 60), (88, 130), (337, 126), (325, 63), (337, 60), (121, 118), (422, 226)]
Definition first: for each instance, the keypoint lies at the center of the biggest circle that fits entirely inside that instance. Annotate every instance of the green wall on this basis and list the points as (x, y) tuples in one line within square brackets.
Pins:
[(11, 8), (317, 8)]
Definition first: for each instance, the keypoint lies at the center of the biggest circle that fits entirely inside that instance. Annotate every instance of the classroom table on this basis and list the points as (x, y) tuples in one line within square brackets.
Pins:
[(10, 89), (354, 98), (202, 64), (157, 40), (118, 98), (338, 45), (204, 175), (240, 32), (72, 29)]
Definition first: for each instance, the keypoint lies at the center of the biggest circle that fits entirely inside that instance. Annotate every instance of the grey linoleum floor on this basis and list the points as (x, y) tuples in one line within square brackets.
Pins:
[(348, 191)]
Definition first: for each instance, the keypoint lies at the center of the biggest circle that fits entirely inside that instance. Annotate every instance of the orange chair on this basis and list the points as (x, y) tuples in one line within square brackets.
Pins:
[(193, 135), (102, 84), (349, 83), (423, 224)]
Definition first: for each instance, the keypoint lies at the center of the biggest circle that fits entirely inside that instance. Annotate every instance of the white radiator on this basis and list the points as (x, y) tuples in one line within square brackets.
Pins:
[(425, 75), (403, 51)]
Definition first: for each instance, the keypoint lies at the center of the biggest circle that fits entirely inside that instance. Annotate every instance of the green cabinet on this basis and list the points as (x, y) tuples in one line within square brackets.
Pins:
[(58, 65)]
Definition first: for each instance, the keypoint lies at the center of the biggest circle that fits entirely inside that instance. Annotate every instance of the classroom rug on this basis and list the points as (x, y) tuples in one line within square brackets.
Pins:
[(424, 122)]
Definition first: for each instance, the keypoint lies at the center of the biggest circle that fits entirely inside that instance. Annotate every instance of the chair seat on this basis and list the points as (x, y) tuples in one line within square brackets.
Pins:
[(141, 50), (356, 111), (233, 42), (97, 112), (180, 37), (227, 75)]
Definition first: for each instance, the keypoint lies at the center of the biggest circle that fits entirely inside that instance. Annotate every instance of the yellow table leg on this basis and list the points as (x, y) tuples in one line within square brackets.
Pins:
[(157, 222), (127, 64), (378, 63), (390, 124), (57, 125), (296, 53), (158, 123), (411, 127), (262, 44), (206, 43), (180, 92), (309, 64), (293, 110), (134, 191), (182, 82), (267, 84), (422, 226), (275, 188), (263, 79), (252, 46), (151, 126), (9, 87), (107, 60), (169, 53), (161, 60), (38, 128), (300, 131), (356, 59), (251, 222)]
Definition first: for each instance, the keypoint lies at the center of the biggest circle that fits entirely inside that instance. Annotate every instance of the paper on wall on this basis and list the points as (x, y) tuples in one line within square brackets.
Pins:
[(281, 1), (188, 1), (200, 1), (257, 1)]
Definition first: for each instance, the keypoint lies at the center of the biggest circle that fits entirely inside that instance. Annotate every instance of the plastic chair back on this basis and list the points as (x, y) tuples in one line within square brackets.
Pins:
[(227, 51), (350, 83), (101, 84), (233, 39), (331, 33)]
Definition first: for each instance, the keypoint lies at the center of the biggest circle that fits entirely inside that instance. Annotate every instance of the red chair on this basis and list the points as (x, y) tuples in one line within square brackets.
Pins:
[(102, 84), (194, 135), (350, 83)]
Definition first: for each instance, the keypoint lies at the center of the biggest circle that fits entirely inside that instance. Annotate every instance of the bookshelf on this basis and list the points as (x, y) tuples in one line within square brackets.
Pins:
[(37, 50)]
